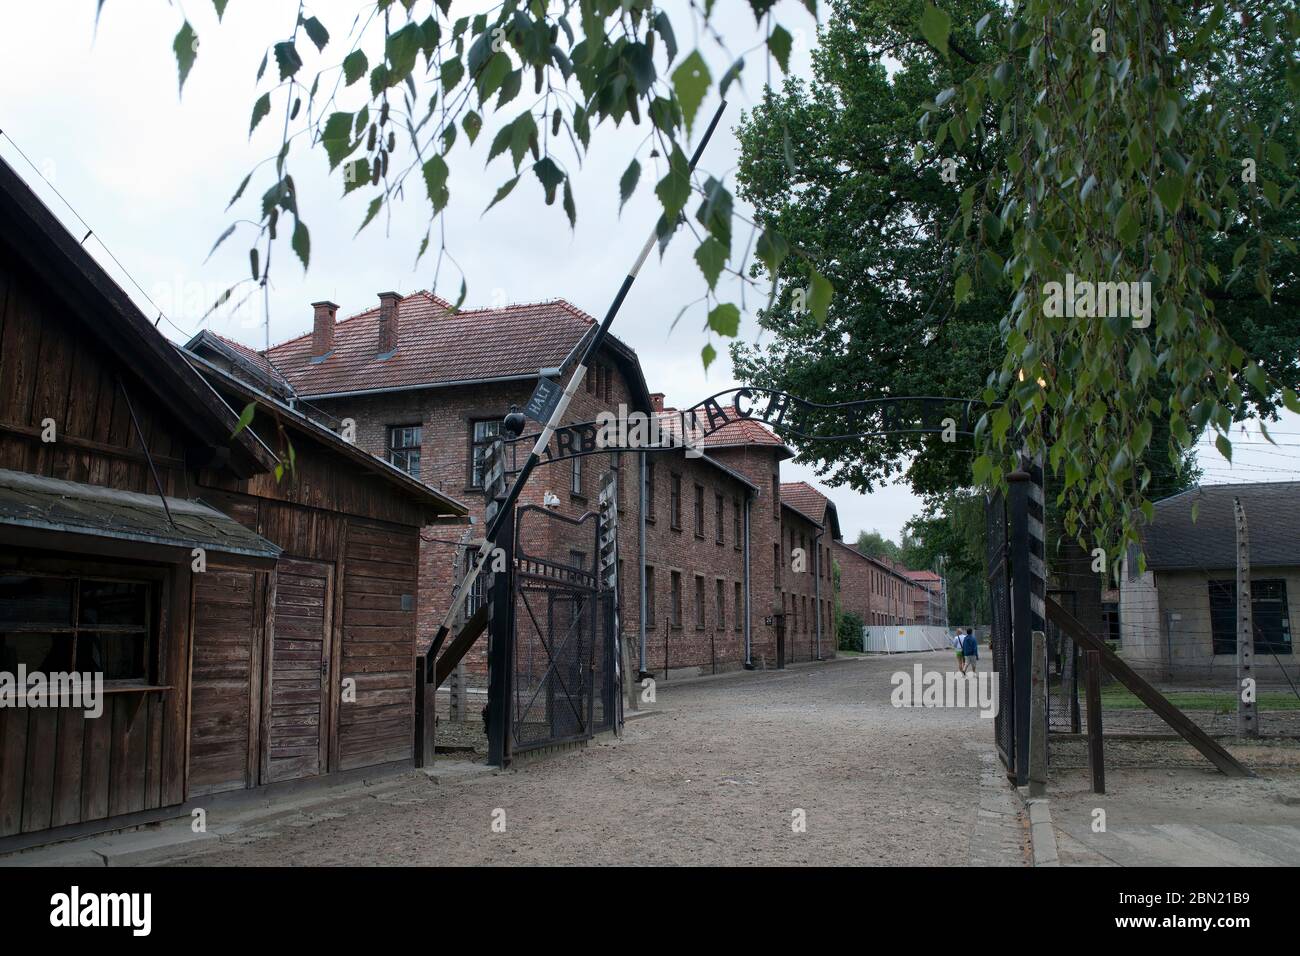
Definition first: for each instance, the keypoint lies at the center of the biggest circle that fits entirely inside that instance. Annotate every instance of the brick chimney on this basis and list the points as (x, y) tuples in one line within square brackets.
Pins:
[(322, 329), (389, 307), (657, 401)]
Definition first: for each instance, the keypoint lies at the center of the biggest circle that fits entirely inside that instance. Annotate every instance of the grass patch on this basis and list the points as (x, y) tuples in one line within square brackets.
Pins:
[(1225, 702)]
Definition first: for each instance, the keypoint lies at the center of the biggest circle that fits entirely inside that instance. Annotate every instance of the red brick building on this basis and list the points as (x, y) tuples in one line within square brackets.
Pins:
[(877, 589), (426, 387), (810, 526)]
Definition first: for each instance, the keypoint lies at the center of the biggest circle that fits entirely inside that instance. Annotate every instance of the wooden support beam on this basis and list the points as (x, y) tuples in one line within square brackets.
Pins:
[(1092, 679), (460, 645), (1145, 692)]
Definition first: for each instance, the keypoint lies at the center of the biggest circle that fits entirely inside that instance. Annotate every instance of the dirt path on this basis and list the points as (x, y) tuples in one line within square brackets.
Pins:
[(714, 778)]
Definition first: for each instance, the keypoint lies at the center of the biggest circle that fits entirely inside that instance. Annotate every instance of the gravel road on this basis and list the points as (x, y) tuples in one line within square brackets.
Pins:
[(716, 775)]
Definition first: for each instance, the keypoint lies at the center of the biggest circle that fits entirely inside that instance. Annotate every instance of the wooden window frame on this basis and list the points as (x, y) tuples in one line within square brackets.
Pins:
[(391, 449)]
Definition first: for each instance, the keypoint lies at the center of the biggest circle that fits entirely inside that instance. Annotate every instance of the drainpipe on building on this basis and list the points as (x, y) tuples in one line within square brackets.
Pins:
[(749, 663), (641, 496), (817, 586)]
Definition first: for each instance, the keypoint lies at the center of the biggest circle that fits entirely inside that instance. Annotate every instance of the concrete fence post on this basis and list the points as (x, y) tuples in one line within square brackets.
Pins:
[(1038, 717)]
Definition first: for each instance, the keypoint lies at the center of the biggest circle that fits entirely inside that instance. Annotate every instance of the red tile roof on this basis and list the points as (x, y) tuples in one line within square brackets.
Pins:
[(437, 346), (744, 431), (805, 499), (927, 576)]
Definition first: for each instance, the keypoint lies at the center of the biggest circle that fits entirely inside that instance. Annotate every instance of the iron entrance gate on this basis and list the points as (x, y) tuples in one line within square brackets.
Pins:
[(555, 626)]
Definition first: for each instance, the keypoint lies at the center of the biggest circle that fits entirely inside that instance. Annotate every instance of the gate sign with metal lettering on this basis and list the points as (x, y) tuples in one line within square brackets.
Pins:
[(543, 401)]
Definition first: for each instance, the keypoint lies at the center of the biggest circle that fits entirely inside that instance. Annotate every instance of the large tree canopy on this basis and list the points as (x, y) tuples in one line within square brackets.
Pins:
[(1102, 140)]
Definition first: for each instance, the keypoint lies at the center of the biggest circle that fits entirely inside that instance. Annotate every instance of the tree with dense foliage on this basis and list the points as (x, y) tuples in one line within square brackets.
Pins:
[(949, 164)]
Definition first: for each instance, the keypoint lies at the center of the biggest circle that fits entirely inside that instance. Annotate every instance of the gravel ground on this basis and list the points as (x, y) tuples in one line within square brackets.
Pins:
[(713, 777)]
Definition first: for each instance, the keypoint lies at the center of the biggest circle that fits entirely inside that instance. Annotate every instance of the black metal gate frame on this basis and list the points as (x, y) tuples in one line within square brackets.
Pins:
[(531, 574)]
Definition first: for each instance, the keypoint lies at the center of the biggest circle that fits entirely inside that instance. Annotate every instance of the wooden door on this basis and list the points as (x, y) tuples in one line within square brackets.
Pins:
[(298, 685)]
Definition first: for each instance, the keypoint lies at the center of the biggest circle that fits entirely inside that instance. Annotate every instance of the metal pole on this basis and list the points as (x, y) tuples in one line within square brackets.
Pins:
[(1247, 718), (817, 586), (749, 661), (561, 409), (644, 493), (1092, 680)]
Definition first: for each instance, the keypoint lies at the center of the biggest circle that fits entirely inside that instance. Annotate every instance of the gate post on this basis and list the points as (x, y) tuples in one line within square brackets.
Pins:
[(501, 655), (1021, 629)]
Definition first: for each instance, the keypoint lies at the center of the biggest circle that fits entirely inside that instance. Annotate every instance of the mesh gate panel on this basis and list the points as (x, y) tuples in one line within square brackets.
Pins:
[(563, 674)]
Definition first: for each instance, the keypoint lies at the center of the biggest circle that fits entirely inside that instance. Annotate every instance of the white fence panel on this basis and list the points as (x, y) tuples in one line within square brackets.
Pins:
[(897, 639)]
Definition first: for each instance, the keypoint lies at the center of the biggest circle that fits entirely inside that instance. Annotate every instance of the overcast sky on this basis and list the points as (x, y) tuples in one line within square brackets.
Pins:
[(151, 173)]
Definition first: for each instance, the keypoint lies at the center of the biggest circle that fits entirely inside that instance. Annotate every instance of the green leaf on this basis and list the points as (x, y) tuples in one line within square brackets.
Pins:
[(819, 300), (493, 75), (627, 184), (1168, 114), (355, 174), (935, 27), (186, 46), (287, 58), (690, 82), (301, 242), (1169, 188), (675, 188), (240, 191), (1256, 377), (780, 43), (375, 205), (665, 29), (711, 256), (355, 65), (316, 32), (337, 137), (549, 175), (570, 209), (472, 123), (402, 48), (772, 249), (245, 418), (452, 73), (707, 355), (260, 109), (962, 288), (503, 192), (1222, 443), (219, 4), (435, 181), (220, 239), (725, 320), (252, 262)]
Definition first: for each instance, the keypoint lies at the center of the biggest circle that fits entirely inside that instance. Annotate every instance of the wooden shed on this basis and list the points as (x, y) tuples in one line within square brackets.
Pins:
[(249, 629)]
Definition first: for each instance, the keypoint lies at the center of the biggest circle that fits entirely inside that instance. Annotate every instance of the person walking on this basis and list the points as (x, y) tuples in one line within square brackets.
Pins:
[(970, 650), (958, 642)]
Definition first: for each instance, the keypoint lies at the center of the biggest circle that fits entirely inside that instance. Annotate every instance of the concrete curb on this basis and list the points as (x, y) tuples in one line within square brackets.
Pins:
[(1042, 835)]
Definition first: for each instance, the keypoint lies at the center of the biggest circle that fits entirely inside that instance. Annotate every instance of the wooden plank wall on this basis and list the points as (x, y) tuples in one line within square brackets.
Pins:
[(60, 767), (50, 368), (378, 645), (372, 639), (229, 633)]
